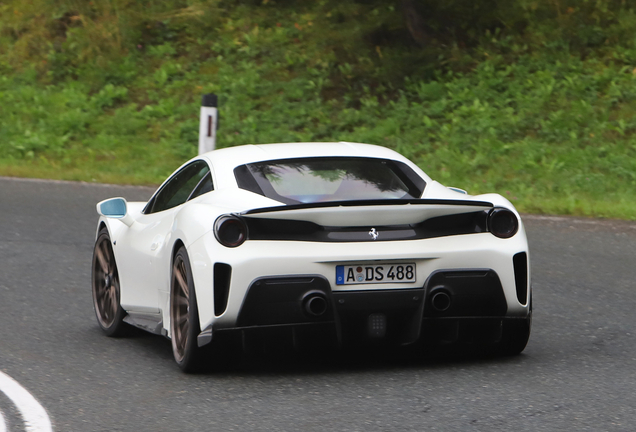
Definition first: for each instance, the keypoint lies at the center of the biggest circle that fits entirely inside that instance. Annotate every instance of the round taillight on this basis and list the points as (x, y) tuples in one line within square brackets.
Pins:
[(502, 223), (230, 231)]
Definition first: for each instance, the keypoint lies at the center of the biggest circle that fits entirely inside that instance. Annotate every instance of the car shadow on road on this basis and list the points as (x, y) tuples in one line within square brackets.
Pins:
[(368, 360), (326, 358)]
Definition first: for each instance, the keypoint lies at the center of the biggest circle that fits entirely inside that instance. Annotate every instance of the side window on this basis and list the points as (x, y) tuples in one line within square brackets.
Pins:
[(177, 190), (204, 186)]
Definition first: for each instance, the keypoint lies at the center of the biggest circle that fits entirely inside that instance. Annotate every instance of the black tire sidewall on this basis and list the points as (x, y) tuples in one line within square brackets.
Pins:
[(517, 335)]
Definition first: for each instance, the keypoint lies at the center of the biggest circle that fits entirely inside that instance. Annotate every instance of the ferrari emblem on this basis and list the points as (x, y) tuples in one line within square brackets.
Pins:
[(373, 233)]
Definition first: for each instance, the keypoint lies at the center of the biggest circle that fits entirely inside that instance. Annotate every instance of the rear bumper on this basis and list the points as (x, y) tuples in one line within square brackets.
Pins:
[(259, 261), (395, 317)]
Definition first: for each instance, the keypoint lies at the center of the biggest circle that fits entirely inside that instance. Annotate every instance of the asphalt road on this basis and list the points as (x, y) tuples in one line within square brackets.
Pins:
[(577, 373)]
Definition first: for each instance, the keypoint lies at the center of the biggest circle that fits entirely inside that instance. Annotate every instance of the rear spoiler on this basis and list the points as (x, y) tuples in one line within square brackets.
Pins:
[(369, 212)]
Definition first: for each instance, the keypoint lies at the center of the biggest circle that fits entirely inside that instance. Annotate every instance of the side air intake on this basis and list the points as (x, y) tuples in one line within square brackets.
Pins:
[(222, 277), (520, 263)]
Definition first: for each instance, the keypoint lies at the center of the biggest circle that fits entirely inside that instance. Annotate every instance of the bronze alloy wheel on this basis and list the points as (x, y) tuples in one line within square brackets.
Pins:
[(184, 324), (106, 287), (184, 316), (180, 308)]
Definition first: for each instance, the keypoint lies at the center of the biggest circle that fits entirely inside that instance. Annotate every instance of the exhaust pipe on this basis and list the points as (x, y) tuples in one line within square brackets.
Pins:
[(315, 304), (441, 300)]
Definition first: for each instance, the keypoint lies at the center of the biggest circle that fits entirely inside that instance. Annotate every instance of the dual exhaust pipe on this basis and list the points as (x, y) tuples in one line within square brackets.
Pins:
[(315, 304)]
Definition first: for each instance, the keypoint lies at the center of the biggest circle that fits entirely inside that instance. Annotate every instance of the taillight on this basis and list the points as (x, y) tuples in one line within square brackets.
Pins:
[(502, 223), (230, 230)]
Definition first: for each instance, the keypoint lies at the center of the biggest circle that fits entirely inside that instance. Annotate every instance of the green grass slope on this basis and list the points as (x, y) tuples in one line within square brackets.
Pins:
[(531, 99)]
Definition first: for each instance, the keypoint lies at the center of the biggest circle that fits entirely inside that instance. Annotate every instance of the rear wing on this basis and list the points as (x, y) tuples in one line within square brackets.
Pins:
[(369, 212)]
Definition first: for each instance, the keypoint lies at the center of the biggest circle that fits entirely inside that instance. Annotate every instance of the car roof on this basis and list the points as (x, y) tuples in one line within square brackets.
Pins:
[(251, 153), (225, 160)]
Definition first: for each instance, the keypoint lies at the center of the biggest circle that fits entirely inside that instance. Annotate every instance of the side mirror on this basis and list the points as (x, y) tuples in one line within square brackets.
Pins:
[(115, 208)]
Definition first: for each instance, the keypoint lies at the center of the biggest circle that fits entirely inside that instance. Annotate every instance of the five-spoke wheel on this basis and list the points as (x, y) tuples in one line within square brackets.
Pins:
[(184, 316), (105, 278)]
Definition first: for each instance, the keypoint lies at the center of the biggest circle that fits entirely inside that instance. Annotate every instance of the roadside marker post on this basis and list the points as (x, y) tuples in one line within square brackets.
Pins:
[(208, 123)]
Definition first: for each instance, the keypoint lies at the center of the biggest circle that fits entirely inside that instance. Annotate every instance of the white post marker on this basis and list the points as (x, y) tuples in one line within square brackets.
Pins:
[(35, 417), (208, 123)]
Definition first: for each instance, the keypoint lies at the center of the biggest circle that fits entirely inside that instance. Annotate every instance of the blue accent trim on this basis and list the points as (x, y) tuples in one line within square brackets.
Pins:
[(340, 275)]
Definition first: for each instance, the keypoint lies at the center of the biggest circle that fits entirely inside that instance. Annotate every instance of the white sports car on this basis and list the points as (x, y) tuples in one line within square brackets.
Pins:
[(343, 239)]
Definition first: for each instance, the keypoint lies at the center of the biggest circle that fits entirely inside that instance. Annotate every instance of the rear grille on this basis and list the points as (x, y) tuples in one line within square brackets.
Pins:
[(282, 300), (469, 293), (288, 281)]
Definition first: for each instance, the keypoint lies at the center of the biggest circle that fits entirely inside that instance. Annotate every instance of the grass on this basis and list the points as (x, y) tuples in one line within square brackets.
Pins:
[(109, 91)]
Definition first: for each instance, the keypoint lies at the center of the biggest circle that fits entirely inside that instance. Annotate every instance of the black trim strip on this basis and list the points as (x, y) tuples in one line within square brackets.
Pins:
[(362, 203), (294, 230)]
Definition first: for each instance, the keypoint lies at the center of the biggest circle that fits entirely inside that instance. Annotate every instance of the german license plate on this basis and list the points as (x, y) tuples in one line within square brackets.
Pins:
[(376, 273)]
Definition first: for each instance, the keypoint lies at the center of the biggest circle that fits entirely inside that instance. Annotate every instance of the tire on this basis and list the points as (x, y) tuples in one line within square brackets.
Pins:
[(184, 316), (106, 288)]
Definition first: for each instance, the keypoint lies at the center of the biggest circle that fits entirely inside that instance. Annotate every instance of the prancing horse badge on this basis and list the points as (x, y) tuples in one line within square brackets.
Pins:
[(373, 233)]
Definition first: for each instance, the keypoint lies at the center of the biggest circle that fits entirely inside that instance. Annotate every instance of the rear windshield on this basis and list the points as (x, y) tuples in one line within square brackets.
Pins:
[(310, 180)]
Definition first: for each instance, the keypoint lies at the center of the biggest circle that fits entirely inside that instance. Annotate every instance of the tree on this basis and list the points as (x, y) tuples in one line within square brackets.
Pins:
[(414, 22)]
